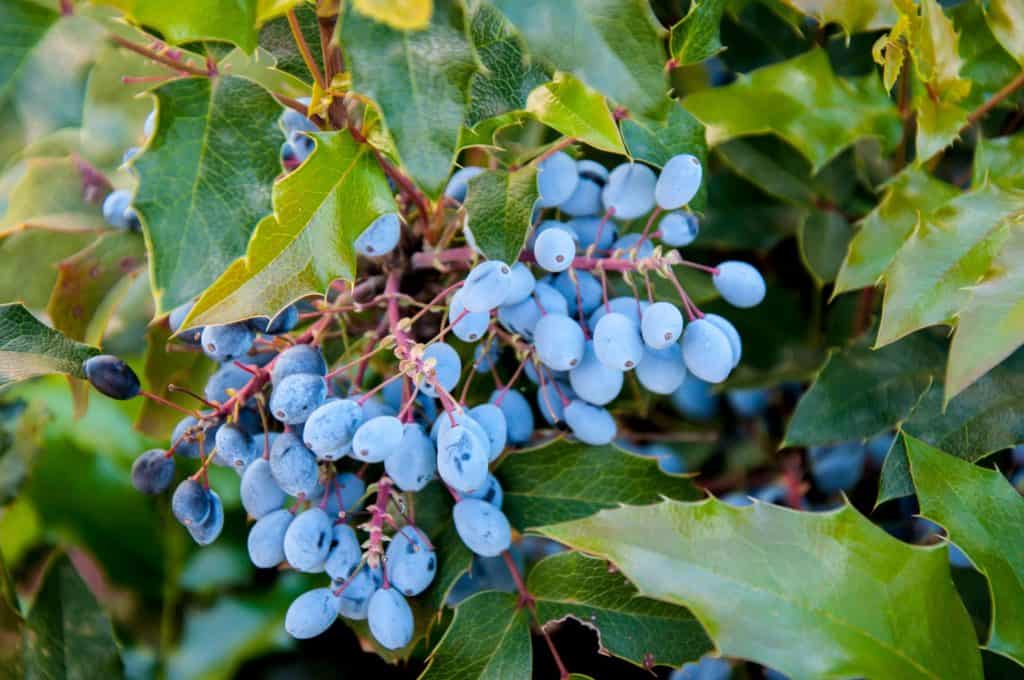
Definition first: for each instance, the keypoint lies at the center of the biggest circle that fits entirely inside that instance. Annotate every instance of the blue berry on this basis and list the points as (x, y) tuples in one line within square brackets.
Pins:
[(522, 318), (293, 466), (458, 185), (177, 316), (492, 421), (413, 464), (116, 208), (587, 232), (308, 540), (462, 457), (556, 179), (329, 430), (593, 380), (411, 561), (708, 668), (467, 326), (228, 342), (748, 403), (259, 490), (487, 285), (486, 357), (377, 438), (617, 342), (298, 359), (731, 334), (447, 368), (311, 613), (292, 120), (661, 325), (521, 283), (491, 492), (627, 244), (344, 553), (678, 182), (586, 287), (224, 382), (585, 199), (591, 424), (381, 237), (837, 468), (207, 531), (629, 191), (878, 447), (707, 351), (390, 619), (554, 250), (266, 539), (111, 376), (739, 283), (482, 527), (153, 472), (694, 399), (518, 414), (559, 341), (355, 599), (549, 401), (286, 320), (234, 447), (190, 503), (627, 306), (296, 397), (662, 371), (679, 229)]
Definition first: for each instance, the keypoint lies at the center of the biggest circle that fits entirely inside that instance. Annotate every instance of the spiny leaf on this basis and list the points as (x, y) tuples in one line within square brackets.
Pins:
[(205, 180), (405, 15), (420, 80), (634, 628), (950, 250), (186, 21), (499, 206), (69, 636), (820, 117), (489, 638), (28, 348), (885, 229), (990, 326), (320, 209), (848, 599), (694, 38), (577, 111), (614, 46), (565, 480), (984, 515), (853, 17)]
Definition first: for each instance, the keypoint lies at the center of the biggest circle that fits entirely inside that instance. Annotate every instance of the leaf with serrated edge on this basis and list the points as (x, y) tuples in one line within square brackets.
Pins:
[(984, 515), (565, 480), (489, 638), (320, 210), (949, 250), (28, 348), (823, 594), (499, 206), (694, 38), (885, 229), (205, 180), (615, 46), (853, 17), (576, 110), (990, 326), (804, 102), (637, 629), (420, 80), (68, 633), (185, 21)]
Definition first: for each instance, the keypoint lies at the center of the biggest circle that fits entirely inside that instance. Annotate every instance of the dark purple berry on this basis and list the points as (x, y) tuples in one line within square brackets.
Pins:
[(153, 472), (111, 376)]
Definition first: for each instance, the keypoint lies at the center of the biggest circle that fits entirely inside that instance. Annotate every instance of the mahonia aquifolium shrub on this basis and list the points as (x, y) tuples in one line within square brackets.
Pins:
[(276, 415)]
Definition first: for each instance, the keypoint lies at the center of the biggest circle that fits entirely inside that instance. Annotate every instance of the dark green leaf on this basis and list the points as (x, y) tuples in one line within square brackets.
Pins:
[(849, 600), (634, 628), (420, 80), (984, 516), (655, 142), (823, 238), (489, 638), (22, 25), (499, 206), (741, 216), (802, 101), (695, 37), (612, 45), (28, 348), (205, 180), (772, 165), (565, 480), (320, 210), (68, 634), (12, 628)]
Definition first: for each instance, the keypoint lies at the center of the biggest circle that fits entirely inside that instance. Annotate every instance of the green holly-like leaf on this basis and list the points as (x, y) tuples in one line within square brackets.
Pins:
[(771, 165), (233, 21), (421, 82), (612, 45), (499, 205), (68, 634), (508, 75), (938, 125), (849, 599), (823, 238), (1006, 20), (950, 250), (990, 326), (694, 38), (997, 158), (28, 348), (885, 229), (320, 210), (804, 102), (23, 24), (489, 638), (566, 480), (853, 17), (634, 628), (576, 110), (205, 180), (984, 515), (276, 37), (656, 141)]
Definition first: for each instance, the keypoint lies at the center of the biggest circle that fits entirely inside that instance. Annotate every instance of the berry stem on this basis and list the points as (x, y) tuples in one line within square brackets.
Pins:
[(175, 63), (527, 600)]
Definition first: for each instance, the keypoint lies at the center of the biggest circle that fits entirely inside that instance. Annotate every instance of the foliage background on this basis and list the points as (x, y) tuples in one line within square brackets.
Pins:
[(864, 154)]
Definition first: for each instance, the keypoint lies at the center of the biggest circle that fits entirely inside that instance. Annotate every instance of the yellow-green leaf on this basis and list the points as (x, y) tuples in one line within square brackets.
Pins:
[(319, 211), (694, 38), (184, 21), (405, 15), (1006, 20), (576, 110), (853, 17)]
